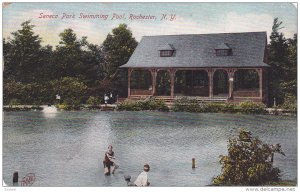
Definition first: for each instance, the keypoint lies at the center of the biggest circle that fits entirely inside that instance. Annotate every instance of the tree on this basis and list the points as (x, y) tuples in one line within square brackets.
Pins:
[(118, 47), (277, 52), (78, 58), (249, 162), (289, 85), (9, 68), (72, 90), (68, 55), (22, 59), (283, 61)]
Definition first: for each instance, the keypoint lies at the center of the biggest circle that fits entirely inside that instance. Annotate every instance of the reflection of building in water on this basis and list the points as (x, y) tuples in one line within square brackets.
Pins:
[(213, 67)]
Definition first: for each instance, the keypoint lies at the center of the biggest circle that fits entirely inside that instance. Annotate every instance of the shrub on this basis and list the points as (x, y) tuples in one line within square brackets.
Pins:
[(192, 105), (151, 104), (14, 102), (252, 107), (220, 107), (62, 106), (129, 105), (229, 107), (290, 103), (188, 105), (213, 107), (248, 162), (71, 90), (12, 90), (68, 107), (93, 100), (159, 105)]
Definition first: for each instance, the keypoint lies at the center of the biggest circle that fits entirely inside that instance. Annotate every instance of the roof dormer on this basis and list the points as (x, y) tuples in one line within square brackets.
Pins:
[(167, 50), (223, 50)]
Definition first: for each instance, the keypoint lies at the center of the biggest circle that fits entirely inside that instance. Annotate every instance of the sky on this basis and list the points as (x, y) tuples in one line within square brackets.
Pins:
[(190, 18)]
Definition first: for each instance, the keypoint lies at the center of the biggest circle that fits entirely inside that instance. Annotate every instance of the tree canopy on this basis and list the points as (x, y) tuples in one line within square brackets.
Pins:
[(118, 48), (282, 56)]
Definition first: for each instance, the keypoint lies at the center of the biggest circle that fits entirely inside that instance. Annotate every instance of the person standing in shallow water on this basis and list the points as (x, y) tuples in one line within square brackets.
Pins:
[(109, 161)]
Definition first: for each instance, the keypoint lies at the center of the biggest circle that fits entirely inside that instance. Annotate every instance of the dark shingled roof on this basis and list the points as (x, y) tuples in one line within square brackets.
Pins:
[(199, 50)]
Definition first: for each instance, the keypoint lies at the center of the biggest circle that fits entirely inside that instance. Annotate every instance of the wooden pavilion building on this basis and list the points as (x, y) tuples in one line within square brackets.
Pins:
[(210, 67)]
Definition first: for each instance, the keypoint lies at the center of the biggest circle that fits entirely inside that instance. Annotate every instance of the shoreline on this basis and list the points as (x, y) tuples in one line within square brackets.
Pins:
[(109, 107)]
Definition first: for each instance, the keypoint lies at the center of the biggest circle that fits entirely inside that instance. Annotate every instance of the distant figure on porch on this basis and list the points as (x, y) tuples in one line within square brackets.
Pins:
[(109, 161)]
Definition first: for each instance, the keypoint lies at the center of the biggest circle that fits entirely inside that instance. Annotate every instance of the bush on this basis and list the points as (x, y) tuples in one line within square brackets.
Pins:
[(220, 107), (72, 91), (192, 105), (159, 105), (252, 107), (129, 105), (14, 102), (229, 107), (187, 105), (151, 104), (248, 162), (12, 90), (93, 100), (290, 103), (68, 107)]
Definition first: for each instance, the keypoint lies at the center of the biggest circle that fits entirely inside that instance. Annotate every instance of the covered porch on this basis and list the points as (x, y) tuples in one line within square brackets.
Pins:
[(206, 84)]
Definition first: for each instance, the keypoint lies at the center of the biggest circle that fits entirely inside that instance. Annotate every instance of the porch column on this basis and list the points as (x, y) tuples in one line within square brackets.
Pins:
[(172, 79), (265, 85), (260, 74), (129, 77), (154, 75), (230, 80), (211, 81)]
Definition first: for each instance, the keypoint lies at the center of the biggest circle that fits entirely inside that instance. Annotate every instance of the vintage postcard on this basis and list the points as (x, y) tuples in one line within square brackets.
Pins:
[(164, 94)]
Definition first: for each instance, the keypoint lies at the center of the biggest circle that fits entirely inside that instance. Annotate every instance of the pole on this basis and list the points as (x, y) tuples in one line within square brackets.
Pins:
[(16, 177), (193, 163)]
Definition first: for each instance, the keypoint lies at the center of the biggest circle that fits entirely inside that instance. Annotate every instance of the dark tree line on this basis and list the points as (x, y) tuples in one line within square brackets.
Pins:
[(83, 72), (282, 57), (76, 69)]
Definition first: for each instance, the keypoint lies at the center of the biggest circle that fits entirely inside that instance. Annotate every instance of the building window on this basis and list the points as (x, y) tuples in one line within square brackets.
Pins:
[(223, 52), (166, 53)]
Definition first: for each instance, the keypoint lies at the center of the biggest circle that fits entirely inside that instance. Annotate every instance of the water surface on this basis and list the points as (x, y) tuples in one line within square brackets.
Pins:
[(67, 148)]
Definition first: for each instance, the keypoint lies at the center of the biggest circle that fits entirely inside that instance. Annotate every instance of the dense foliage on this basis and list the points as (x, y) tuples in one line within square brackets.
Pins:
[(282, 57), (252, 107), (76, 70), (193, 105), (248, 163), (32, 72)]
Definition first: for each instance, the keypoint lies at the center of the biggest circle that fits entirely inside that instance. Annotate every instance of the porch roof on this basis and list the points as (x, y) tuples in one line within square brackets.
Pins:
[(198, 51)]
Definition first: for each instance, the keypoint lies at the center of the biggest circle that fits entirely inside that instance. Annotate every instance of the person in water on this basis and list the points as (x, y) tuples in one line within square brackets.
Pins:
[(109, 160), (141, 180)]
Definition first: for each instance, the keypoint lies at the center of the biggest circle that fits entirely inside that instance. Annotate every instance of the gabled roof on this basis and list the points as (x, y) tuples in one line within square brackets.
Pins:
[(193, 51), (223, 46)]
